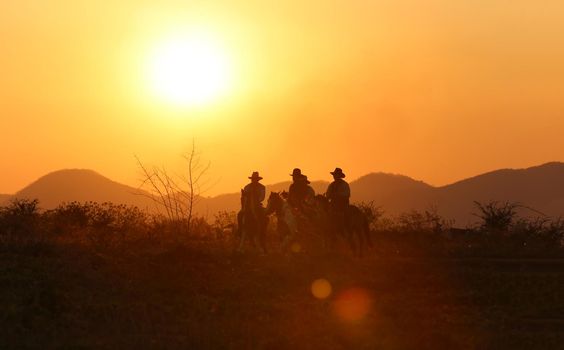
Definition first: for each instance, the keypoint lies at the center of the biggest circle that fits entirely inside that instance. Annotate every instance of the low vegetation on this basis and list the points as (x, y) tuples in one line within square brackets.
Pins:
[(106, 276)]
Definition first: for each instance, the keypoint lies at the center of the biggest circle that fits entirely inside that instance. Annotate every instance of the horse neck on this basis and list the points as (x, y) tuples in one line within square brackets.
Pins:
[(276, 205), (285, 208), (321, 208), (250, 205)]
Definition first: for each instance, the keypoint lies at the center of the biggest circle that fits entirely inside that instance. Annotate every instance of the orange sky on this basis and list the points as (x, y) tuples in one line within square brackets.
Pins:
[(437, 90)]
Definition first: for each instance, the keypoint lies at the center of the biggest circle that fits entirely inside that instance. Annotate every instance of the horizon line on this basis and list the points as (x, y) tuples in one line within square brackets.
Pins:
[(280, 182)]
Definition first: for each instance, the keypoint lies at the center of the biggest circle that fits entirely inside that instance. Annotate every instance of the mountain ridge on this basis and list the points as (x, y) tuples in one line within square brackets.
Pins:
[(540, 187), (81, 185)]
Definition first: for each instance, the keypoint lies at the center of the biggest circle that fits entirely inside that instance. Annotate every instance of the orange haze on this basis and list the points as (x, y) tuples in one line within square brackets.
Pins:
[(437, 90)]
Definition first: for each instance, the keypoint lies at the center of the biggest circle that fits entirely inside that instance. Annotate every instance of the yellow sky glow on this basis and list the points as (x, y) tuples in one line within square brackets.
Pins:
[(189, 70), (438, 90)]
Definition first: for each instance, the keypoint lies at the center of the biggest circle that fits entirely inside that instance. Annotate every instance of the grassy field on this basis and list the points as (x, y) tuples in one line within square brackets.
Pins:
[(200, 295)]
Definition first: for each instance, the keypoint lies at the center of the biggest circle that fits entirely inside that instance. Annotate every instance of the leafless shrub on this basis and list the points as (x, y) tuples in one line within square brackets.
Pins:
[(372, 212), (542, 232), (224, 224), (427, 221), (177, 195), (497, 216)]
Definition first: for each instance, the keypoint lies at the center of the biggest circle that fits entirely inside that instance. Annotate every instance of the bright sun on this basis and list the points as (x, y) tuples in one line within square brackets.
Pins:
[(189, 71)]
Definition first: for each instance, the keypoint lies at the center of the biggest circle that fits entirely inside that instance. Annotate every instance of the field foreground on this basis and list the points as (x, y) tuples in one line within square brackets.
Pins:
[(202, 295)]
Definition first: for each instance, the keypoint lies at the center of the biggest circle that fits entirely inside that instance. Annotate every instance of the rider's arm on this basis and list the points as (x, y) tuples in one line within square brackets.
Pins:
[(330, 190), (262, 193), (346, 190)]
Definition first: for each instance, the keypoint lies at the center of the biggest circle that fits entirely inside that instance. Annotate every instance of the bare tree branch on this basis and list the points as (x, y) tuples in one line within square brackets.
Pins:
[(166, 192)]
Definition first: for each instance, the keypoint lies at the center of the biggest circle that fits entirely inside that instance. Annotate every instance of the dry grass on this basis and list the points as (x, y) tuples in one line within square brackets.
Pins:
[(89, 276), (60, 295)]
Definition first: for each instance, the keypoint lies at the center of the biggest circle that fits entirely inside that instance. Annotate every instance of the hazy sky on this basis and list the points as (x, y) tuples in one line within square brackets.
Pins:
[(437, 90)]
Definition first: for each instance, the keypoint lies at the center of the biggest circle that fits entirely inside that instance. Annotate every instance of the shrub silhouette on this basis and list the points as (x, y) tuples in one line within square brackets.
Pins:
[(372, 212), (19, 217), (540, 233), (497, 216), (108, 225), (224, 224)]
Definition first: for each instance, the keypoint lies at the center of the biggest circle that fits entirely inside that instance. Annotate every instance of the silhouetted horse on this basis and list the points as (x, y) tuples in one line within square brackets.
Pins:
[(321, 220), (357, 227), (287, 224), (252, 223), (353, 225)]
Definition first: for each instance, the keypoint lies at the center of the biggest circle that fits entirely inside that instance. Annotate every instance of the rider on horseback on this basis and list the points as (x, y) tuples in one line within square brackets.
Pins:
[(254, 192), (300, 191), (252, 216), (338, 193)]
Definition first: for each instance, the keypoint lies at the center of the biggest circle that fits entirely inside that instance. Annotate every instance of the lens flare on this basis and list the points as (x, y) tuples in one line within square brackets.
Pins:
[(321, 288), (353, 304)]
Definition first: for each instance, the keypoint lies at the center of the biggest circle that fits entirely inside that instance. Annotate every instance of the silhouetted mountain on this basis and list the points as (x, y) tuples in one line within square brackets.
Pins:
[(4, 198), (396, 193), (540, 187), (81, 185)]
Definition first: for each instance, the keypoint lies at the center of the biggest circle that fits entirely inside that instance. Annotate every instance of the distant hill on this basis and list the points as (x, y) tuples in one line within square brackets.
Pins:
[(81, 185), (396, 193), (540, 187), (4, 198)]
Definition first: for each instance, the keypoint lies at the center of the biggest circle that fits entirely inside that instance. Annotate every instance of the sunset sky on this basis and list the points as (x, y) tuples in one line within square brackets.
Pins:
[(437, 90)]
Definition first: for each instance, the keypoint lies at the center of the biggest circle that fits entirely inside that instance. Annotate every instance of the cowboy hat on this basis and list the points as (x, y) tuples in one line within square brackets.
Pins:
[(255, 176), (296, 172), (305, 179), (338, 172)]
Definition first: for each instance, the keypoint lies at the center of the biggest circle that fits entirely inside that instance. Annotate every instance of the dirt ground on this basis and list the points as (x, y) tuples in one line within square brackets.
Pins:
[(203, 296)]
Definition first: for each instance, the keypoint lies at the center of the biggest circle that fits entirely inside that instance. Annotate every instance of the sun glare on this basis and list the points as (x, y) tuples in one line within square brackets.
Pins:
[(189, 71)]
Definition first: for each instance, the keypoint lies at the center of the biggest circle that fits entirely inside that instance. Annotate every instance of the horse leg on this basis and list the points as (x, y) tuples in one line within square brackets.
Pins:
[(352, 242), (259, 240), (325, 238), (254, 238), (349, 234), (292, 231), (358, 235), (242, 240), (262, 238), (333, 238), (285, 232), (286, 238), (240, 231), (330, 238), (361, 242), (263, 230), (366, 231)]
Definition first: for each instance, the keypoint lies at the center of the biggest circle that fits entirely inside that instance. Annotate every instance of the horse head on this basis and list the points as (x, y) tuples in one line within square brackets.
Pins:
[(321, 201), (274, 202)]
